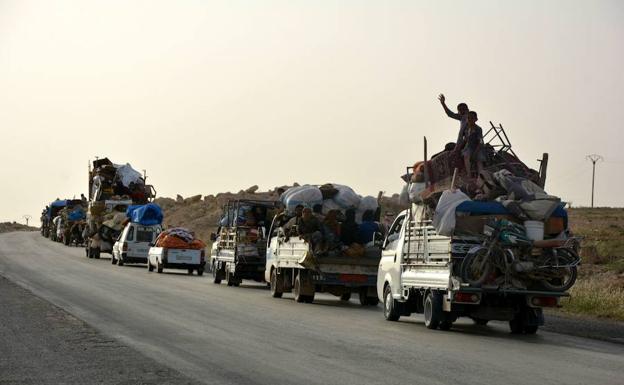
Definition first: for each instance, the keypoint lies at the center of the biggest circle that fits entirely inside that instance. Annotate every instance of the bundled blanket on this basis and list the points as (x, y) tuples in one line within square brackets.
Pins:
[(179, 238)]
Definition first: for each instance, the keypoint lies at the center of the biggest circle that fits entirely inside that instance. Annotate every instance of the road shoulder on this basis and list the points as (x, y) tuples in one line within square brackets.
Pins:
[(43, 344)]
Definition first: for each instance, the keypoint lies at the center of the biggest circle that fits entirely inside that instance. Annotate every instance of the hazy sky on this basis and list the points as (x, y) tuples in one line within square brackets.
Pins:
[(213, 96)]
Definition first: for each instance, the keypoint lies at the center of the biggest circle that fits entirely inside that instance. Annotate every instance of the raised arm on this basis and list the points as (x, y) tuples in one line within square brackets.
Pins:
[(449, 113)]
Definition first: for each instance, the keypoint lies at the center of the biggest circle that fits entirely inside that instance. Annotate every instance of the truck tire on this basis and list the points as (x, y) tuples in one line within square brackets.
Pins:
[(299, 297), (346, 296), (480, 321), (216, 276), (433, 310), (189, 271), (277, 284), (391, 306), (520, 324)]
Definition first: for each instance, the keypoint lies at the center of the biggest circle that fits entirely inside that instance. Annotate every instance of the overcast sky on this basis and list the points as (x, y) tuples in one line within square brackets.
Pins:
[(214, 96)]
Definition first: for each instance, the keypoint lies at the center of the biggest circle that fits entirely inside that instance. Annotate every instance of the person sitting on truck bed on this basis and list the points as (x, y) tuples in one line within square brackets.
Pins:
[(294, 221), (472, 144), (368, 228), (349, 228), (331, 230), (310, 229), (317, 210)]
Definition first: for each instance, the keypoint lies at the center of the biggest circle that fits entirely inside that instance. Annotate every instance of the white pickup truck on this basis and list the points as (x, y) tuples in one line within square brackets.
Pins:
[(185, 259), (133, 244), (418, 273)]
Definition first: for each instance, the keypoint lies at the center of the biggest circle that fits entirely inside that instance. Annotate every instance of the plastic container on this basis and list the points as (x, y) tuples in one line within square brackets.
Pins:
[(534, 230)]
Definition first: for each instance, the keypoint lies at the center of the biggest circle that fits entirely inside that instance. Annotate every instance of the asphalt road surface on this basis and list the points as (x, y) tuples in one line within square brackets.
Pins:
[(225, 335)]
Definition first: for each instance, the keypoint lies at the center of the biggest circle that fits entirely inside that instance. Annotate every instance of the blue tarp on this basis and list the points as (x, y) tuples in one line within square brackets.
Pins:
[(146, 215), (59, 203), (497, 208), (76, 215)]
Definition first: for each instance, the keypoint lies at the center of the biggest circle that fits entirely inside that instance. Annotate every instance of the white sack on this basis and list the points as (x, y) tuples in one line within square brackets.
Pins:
[(414, 190), (127, 174), (346, 197), (307, 195), (444, 216)]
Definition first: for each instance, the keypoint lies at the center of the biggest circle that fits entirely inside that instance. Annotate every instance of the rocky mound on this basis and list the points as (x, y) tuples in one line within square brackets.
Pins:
[(202, 213)]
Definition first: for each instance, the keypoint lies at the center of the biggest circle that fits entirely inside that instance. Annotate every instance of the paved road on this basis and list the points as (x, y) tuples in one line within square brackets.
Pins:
[(218, 334)]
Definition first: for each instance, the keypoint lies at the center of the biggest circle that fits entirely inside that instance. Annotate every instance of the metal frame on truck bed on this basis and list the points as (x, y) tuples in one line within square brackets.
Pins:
[(239, 250)]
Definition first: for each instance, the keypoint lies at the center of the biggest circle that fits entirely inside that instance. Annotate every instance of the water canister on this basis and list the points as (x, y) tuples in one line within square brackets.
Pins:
[(534, 230)]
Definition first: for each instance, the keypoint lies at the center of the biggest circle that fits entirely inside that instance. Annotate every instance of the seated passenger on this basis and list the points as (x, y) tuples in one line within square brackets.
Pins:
[(310, 229), (318, 212), (368, 228), (294, 221), (331, 230), (349, 228)]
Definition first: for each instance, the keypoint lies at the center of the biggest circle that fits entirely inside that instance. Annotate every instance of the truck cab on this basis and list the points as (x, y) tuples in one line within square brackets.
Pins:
[(239, 247), (133, 243)]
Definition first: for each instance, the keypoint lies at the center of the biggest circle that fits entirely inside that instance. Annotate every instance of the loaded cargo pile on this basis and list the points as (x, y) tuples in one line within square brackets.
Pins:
[(179, 238), (504, 209)]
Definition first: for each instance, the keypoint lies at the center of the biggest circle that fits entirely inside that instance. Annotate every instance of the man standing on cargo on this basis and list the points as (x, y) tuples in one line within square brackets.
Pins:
[(461, 115)]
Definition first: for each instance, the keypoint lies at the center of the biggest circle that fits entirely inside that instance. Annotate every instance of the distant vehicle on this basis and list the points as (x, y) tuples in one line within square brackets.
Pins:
[(49, 215), (133, 244), (112, 188), (161, 258), (239, 247)]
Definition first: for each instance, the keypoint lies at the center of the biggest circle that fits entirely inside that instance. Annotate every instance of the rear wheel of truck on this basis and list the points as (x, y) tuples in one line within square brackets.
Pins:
[(277, 284), (480, 321), (391, 308), (518, 325), (345, 296), (189, 271), (216, 277), (366, 300), (433, 310), (297, 291)]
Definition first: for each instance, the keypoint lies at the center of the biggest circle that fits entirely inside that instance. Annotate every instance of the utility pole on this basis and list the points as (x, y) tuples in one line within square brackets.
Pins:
[(27, 218), (593, 158)]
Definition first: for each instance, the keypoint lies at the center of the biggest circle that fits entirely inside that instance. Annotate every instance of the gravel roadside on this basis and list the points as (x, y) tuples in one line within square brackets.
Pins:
[(42, 344)]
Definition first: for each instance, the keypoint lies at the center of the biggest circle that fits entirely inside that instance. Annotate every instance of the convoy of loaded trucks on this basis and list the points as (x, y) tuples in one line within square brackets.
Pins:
[(492, 245)]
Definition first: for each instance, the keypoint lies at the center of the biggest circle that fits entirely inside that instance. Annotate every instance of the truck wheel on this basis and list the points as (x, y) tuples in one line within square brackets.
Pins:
[(433, 310), (159, 268), (297, 290), (189, 271), (373, 301), (346, 296), (277, 284), (391, 309), (200, 271), (445, 325), (216, 277)]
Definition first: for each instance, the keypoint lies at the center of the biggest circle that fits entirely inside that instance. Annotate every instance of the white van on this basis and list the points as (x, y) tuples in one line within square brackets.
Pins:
[(133, 244)]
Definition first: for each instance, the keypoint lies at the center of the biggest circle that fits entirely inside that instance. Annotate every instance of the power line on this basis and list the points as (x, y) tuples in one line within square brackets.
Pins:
[(593, 158)]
